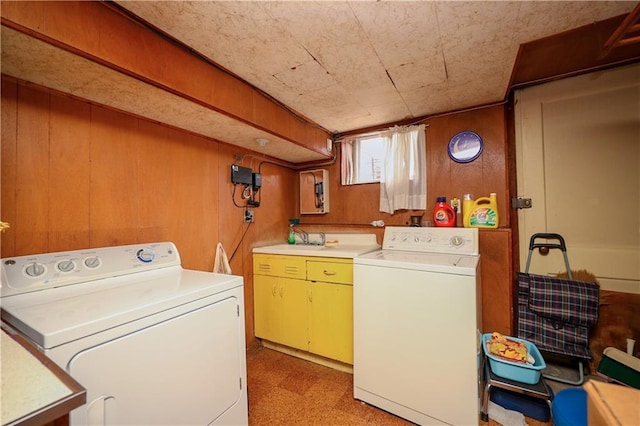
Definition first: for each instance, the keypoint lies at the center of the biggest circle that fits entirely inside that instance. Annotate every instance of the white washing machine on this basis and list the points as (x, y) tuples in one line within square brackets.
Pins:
[(416, 315), (152, 343)]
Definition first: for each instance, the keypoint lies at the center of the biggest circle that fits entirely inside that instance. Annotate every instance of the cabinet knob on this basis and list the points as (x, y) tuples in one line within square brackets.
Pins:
[(329, 272)]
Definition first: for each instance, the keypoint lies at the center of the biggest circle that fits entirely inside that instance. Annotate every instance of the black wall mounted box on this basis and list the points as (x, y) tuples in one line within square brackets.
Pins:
[(241, 174), (256, 181)]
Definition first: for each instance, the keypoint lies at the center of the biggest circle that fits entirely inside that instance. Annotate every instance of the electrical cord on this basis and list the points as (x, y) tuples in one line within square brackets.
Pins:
[(240, 242)]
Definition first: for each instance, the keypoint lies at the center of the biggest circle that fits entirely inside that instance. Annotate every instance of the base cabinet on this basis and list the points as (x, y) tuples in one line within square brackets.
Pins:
[(313, 314)]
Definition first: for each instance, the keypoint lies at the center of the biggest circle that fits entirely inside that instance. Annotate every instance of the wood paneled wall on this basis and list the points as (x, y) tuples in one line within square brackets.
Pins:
[(77, 175)]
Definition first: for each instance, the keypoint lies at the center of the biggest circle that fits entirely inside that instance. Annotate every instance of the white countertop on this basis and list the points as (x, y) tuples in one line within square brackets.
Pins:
[(348, 246), (34, 389)]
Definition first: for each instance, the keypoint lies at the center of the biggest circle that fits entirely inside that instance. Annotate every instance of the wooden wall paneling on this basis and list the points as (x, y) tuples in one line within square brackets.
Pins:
[(494, 160), (316, 139), (178, 194), (230, 95), (265, 116), (438, 161), (69, 176), (56, 20), (478, 178), (32, 171), (196, 192), (156, 178), (571, 52), (115, 184), (297, 128), (8, 164), (497, 281)]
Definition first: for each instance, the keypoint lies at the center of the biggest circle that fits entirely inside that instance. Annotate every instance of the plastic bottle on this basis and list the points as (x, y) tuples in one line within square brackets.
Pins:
[(456, 205), (467, 206), (443, 214), (481, 213), (292, 235)]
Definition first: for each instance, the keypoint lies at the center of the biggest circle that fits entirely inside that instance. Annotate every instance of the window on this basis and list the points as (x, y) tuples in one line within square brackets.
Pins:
[(396, 158), (363, 160)]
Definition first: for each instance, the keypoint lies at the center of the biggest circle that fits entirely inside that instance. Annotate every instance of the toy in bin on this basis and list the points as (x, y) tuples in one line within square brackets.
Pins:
[(512, 358)]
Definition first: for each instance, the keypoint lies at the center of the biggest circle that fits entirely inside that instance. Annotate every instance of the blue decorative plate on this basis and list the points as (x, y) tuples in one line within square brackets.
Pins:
[(465, 147)]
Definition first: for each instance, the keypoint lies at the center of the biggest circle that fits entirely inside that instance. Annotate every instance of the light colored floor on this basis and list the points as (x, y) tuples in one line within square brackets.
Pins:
[(285, 390)]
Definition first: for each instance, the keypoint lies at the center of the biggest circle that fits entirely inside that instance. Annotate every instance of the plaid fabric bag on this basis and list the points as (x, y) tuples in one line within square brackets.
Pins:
[(556, 314)]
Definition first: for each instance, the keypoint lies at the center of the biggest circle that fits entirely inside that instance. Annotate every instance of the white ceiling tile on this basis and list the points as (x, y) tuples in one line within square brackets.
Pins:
[(306, 78), (414, 75), (343, 55)]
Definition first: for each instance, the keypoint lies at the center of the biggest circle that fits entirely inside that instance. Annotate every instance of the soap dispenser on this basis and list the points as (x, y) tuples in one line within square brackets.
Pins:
[(292, 235), (292, 232)]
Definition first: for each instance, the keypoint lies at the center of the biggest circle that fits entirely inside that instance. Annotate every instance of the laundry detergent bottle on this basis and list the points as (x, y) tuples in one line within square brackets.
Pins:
[(481, 213), (443, 214)]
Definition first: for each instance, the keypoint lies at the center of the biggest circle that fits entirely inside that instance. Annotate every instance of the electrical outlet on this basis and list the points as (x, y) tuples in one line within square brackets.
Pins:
[(248, 216)]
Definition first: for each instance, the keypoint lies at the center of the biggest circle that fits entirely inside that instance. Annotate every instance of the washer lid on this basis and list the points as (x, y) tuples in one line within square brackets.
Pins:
[(59, 315), (458, 264)]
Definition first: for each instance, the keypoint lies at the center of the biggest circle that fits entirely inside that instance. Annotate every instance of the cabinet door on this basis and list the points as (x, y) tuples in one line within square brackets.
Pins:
[(293, 313), (331, 320), (266, 307), (280, 311)]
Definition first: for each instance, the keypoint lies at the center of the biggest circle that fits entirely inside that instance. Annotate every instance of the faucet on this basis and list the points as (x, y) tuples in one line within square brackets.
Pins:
[(303, 236)]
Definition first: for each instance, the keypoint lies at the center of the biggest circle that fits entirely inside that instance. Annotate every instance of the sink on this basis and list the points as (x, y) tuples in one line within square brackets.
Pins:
[(346, 248)]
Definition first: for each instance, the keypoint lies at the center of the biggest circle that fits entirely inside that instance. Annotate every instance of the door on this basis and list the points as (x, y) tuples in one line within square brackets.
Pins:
[(186, 370), (578, 158)]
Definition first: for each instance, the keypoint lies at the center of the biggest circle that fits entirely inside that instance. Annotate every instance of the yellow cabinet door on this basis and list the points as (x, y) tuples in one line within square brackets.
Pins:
[(266, 306), (331, 320), (280, 309)]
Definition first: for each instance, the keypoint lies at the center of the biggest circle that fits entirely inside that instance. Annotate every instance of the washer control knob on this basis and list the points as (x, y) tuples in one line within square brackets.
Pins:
[(146, 255), (35, 269), (92, 262), (457, 241), (66, 266)]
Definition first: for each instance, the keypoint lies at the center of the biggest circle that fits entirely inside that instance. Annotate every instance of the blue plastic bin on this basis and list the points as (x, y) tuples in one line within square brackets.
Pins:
[(523, 373), (569, 408)]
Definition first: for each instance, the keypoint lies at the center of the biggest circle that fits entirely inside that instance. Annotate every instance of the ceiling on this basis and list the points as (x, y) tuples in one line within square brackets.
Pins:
[(356, 64), (345, 65)]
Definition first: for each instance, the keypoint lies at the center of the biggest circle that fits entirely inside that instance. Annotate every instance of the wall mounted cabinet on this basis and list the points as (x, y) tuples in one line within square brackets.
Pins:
[(314, 191)]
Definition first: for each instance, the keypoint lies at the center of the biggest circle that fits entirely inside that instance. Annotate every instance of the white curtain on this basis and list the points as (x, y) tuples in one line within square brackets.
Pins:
[(347, 162), (403, 184)]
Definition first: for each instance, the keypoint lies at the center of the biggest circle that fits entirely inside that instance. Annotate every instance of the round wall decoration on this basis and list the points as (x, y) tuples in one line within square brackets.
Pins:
[(465, 147)]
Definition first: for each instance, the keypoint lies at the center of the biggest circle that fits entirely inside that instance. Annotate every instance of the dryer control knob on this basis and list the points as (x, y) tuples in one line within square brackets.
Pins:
[(92, 262), (146, 255), (66, 266), (35, 269)]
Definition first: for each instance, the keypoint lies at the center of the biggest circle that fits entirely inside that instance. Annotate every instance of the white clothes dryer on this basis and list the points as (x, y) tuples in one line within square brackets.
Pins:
[(152, 343), (416, 316)]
